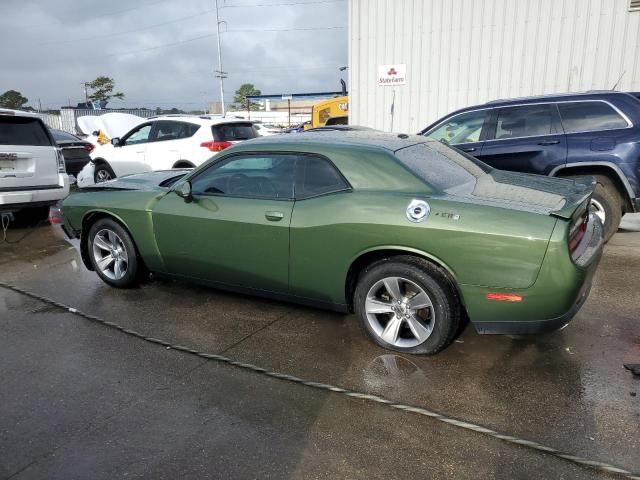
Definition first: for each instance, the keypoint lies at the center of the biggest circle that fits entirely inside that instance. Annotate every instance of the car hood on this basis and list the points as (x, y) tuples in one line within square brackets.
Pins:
[(160, 180), (533, 193)]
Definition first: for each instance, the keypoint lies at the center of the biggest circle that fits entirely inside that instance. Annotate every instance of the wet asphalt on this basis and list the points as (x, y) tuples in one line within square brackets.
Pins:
[(79, 400)]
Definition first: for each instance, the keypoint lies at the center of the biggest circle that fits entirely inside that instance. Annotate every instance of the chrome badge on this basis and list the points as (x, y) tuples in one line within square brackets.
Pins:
[(418, 210), (8, 156)]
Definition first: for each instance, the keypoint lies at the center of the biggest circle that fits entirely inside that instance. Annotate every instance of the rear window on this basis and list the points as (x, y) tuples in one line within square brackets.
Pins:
[(60, 136), (338, 121), (441, 166), (23, 131), (589, 116), (229, 132)]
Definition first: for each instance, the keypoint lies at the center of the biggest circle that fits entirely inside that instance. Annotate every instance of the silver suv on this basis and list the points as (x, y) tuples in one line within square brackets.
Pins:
[(32, 171)]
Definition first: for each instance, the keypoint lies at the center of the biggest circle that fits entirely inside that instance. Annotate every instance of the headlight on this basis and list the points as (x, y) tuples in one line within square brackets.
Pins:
[(60, 157)]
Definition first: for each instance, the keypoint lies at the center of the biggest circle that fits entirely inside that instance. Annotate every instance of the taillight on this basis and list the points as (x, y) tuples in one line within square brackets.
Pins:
[(215, 146), (577, 231), (60, 158), (89, 147)]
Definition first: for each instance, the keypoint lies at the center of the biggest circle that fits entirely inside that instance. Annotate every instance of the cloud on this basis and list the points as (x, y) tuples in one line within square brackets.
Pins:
[(163, 53)]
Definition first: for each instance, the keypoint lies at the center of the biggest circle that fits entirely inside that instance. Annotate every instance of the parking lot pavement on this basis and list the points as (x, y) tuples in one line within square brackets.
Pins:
[(79, 400)]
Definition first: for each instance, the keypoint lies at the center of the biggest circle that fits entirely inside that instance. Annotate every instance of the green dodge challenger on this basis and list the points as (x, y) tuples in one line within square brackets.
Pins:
[(406, 232)]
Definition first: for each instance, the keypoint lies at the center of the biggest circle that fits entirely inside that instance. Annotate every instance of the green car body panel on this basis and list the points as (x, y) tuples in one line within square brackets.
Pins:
[(486, 243)]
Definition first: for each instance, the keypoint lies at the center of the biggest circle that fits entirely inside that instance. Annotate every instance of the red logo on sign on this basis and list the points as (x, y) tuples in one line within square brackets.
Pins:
[(392, 71)]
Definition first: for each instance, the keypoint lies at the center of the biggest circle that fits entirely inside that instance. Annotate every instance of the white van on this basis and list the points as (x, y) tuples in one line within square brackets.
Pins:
[(32, 171)]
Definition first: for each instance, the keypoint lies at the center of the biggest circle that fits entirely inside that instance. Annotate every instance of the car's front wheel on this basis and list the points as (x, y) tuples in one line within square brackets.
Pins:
[(113, 253), (407, 304)]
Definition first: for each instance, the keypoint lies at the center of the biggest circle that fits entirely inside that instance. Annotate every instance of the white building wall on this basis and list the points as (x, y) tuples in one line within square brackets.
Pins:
[(464, 52)]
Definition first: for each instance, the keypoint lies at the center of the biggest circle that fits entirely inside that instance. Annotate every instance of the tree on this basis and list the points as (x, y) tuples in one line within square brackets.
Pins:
[(102, 89), (246, 90), (12, 99)]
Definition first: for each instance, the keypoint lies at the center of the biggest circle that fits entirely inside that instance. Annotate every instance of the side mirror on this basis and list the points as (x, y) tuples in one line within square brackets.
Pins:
[(115, 141), (184, 191)]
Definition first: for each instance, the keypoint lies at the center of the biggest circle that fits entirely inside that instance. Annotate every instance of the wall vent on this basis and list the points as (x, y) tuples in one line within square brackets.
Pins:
[(634, 5)]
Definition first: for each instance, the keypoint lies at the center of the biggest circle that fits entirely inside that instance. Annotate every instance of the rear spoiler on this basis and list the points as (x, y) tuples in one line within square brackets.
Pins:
[(574, 201)]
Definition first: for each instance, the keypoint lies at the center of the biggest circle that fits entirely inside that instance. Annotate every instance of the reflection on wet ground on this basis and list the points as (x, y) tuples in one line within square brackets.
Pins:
[(81, 399)]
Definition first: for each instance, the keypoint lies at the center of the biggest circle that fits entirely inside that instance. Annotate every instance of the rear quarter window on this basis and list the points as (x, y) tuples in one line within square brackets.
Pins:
[(229, 132), (589, 116), (441, 166), (23, 131)]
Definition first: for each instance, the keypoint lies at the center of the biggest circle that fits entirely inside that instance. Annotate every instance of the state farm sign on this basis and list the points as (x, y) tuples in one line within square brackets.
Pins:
[(395, 74)]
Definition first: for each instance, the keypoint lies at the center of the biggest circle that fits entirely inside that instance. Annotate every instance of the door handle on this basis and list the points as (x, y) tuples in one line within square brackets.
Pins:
[(274, 216), (549, 142), (470, 149)]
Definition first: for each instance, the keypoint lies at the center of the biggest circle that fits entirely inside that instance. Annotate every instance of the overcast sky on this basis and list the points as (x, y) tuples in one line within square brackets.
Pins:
[(163, 52)]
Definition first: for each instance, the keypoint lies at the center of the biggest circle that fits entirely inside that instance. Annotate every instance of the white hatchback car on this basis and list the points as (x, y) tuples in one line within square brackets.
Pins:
[(165, 142), (32, 168)]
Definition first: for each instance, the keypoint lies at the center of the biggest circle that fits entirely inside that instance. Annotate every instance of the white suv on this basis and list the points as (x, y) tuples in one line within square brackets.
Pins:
[(32, 172), (165, 142)]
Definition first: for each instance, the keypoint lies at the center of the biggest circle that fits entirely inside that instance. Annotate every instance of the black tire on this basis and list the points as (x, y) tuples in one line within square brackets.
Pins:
[(607, 198), (134, 265), (102, 171), (183, 164), (433, 281)]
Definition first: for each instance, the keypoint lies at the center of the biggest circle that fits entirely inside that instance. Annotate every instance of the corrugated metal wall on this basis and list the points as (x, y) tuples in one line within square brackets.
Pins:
[(464, 52)]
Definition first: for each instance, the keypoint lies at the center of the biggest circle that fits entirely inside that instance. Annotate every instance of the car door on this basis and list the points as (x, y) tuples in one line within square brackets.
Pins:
[(463, 130), (168, 144), (129, 155), (525, 138), (235, 229)]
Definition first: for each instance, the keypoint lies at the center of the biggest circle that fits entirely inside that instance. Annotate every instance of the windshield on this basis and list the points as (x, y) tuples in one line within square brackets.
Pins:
[(443, 167)]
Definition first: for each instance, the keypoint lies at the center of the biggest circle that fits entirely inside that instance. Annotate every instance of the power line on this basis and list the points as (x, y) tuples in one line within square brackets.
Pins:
[(93, 17), (199, 14), (283, 29), (209, 35), (281, 4)]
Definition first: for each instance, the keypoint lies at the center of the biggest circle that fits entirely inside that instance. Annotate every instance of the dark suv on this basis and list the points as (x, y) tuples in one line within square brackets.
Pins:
[(569, 135)]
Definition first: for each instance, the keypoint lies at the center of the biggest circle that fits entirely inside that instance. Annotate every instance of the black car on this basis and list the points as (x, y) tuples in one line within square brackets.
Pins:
[(75, 151)]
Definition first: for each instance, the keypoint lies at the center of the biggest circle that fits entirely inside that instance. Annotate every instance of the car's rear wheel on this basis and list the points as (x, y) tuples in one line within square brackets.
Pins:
[(606, 203), (103, 173), (113, 253), (407, 304)]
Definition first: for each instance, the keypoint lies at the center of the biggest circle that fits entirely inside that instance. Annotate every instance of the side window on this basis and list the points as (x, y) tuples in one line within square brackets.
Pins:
[(168, 130), (588, 116), (463, 128), (524, 121), (316, 176), (139, 135), (249, 176)]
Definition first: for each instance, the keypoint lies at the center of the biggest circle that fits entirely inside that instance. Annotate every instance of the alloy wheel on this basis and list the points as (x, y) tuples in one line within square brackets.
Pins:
[(103, 175), (110, 254), (400, 312), (598, 210)]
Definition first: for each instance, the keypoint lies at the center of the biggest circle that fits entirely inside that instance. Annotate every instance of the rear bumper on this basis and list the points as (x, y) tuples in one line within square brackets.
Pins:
[(75, 165), (584, 266), (538, 326), (49, 194)]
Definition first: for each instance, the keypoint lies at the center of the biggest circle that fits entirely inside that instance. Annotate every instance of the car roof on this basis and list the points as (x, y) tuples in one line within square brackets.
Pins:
[(336, 138), (200, 119), (17, 113), (590, 95)]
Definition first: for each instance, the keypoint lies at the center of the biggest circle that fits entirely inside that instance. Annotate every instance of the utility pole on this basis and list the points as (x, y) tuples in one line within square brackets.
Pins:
[(86, 95), (220, 73)]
